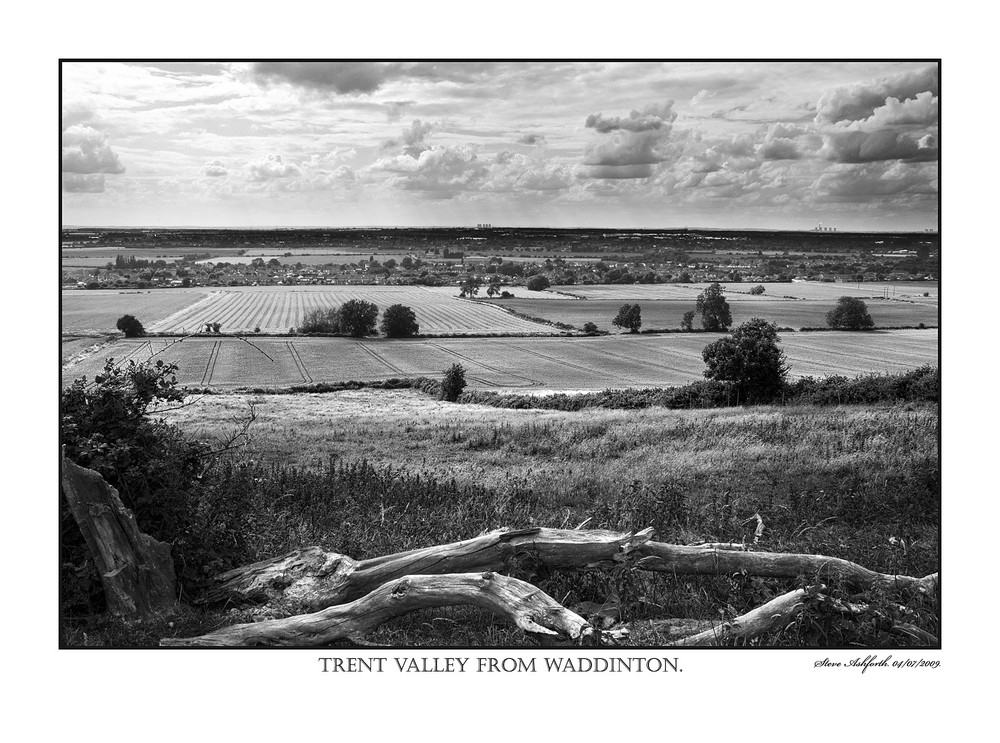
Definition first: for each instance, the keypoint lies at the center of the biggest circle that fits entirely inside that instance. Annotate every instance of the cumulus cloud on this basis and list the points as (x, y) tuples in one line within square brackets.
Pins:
[(531, 139), (86, 150), (613, 172), (780, 142), (919, 111), (443, 170), (214, 169), (394, 110), (514, 172), (653, 116), (83, 183), (863, 147), (270, 168), (411, 139), (859, 101), (875, 182)]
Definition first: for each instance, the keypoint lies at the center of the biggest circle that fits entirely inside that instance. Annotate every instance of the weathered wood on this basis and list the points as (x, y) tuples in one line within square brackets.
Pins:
[(709, 560), (136, 570), (764, 618), (527, 606), (316, 579)]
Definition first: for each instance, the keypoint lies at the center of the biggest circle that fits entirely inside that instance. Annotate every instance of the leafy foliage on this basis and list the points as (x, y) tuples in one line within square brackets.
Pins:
[(850, 313), (687, 322), (453, 383), (629, 318), (321, 321), (358, 317), (131, 327), (714, 309), (399, 321), (759, 289), (537, 283), (470, 287), (107, 427), (750, 359), (589, 327)]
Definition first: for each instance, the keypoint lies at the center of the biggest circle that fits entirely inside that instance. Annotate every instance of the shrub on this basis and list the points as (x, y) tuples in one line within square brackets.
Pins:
[(453, 383), (589, 327), (850, 313), (321, 321), (537, 283), (358, 317), (759, 289), (399, 321), (131, 327), (687, 322)]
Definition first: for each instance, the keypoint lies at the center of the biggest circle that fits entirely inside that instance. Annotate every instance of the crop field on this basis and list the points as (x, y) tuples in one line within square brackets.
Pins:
[(527, 364), (911, 291), (276, 309), (667, 313), (98, 310)]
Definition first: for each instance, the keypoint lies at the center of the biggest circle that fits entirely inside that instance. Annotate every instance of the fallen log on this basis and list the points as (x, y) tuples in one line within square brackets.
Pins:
[(764, 618), (316, 579), (710, 560), (136, 570), (528, 607)]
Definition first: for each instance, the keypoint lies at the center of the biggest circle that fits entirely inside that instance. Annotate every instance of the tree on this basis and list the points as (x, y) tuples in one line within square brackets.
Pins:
[(493, 289), (759, 289), (850, 313), (470, 287), (399, 321), (750, 359), (453, 383), (589, 327), (687, 322), (358, 317), (537, 283), (131, 327), (714, 309), (628, 318)]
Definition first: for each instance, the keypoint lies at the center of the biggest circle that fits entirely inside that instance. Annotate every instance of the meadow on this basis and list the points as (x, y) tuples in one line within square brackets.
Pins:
[(97, 310), (526, 364), (859, 483)]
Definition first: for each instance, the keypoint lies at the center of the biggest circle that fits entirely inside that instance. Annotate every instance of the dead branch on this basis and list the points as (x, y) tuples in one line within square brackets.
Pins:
[(527, 606), (709, 560), (316, 579), (773, 614)]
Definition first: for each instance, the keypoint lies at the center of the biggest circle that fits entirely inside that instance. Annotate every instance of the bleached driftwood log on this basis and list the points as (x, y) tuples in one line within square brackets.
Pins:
[(317, 579), (136, 570), (527, 606), (709, 560), (755, 622)]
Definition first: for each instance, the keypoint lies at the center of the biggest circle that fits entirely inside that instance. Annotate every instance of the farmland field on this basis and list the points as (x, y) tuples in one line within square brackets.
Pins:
[(98, 310), (529, 364), (667, 313), (819, 290)]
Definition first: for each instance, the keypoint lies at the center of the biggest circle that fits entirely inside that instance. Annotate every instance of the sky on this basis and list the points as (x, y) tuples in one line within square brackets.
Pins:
[(632, 144)]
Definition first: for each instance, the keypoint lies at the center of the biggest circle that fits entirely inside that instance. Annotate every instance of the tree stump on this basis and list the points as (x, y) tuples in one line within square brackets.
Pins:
[(136, 570)]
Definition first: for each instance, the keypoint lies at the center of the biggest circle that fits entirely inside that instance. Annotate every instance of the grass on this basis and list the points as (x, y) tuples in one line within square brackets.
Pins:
[(861, 483)]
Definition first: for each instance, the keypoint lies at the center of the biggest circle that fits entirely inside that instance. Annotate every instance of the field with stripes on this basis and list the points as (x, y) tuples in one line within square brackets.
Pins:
[(527, 364), (279, 308)]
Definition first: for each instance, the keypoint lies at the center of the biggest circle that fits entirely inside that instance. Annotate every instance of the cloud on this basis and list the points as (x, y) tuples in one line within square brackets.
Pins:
[(653, 116), (919, 111), (86, 150), (876, 183), (613, 172), (514, 172), (780, 142), (865, 147), (700, 96), (394, 110), (338, 77), (411, 139), (859, 101), (270, 168), (444, 170), (531, 139), (83, 183), (214, 169)]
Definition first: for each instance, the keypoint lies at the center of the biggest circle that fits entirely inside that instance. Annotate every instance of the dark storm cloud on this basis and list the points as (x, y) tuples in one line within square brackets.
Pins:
[(531, 139), (362, 77), (859, 101)]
